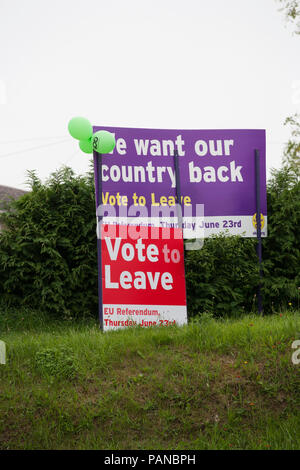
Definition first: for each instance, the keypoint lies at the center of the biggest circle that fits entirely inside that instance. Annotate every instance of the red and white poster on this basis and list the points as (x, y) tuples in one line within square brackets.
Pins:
[(143, 279)]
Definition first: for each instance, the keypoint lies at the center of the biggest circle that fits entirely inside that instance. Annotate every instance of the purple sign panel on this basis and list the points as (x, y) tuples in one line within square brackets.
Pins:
[(216, 171)]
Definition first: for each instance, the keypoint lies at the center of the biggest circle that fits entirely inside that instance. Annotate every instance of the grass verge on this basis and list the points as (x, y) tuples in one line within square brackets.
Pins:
[(214, 384)]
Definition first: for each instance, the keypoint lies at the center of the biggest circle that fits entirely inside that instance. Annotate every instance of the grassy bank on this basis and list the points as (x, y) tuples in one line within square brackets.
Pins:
[(214, 384)]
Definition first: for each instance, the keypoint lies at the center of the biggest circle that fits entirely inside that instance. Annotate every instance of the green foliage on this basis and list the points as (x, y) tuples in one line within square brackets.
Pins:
[(56, 363), (292, 12), (48, 250), (221, 277), (281, 250), (49, 258), (291, 156)]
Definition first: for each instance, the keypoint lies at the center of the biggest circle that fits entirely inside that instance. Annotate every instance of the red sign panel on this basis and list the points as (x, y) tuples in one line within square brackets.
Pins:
[(143, 280)]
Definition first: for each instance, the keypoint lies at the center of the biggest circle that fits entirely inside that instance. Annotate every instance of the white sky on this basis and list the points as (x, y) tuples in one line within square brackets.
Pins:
[(193, 64)]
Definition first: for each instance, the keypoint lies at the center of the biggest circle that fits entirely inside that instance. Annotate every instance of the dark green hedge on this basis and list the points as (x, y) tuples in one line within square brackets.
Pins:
[(222, 278), (48, 257)]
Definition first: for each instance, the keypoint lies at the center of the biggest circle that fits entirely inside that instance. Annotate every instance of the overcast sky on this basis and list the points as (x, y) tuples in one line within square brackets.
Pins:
[(193, 64)]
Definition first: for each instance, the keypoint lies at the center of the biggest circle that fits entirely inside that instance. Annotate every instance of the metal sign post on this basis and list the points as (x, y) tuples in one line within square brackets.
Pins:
[(178, 191), (98, 192), (258, 227), (179, 207)]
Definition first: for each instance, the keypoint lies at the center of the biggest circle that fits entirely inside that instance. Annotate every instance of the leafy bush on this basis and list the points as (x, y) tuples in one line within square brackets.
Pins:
[(221, 278), (48, 255), (48, 250), (281, 250)]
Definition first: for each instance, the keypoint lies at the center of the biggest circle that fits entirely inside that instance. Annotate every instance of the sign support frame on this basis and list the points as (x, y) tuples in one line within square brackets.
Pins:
[(258, 228), (180, 218), (98, 198)]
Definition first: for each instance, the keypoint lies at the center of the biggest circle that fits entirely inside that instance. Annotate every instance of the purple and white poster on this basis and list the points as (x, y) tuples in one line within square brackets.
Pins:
[(217, 179)]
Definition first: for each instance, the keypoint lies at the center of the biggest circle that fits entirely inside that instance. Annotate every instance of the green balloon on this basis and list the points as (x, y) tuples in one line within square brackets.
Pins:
[(86, 145), (103, 141), (80, 128)]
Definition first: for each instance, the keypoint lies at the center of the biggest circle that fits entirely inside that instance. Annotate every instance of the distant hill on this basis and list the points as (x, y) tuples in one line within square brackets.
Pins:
[(7, 193)]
